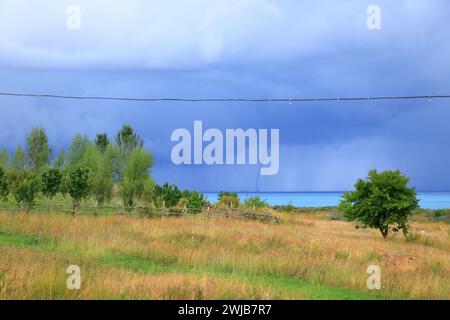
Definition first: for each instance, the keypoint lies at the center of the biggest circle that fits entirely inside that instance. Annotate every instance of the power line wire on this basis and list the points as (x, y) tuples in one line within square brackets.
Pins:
[(289, 100)]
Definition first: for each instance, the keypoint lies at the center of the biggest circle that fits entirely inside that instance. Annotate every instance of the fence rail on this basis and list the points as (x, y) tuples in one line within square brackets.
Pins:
[(141, 211)]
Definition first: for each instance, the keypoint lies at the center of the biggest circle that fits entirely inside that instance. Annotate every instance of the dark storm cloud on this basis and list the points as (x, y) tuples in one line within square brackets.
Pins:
[(263, 49)]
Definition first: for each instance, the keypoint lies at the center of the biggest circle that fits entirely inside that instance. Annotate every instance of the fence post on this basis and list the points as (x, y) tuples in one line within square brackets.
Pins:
[(74, 209)]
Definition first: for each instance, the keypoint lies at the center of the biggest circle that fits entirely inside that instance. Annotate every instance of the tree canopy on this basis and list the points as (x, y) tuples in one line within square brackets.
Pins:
[(38, 150), (100, 169), (382, 201)]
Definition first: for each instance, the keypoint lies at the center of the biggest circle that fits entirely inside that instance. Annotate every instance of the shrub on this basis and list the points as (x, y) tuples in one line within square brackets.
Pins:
[(195, 201), (440, 213), (286, 208), (167, 195), (230, 201), (225, 194), (255, 202), (148, 192), (181, 205), (336, 215), (127, 191)]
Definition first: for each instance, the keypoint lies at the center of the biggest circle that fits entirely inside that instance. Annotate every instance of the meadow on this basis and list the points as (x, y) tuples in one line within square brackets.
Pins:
[(307, 255)]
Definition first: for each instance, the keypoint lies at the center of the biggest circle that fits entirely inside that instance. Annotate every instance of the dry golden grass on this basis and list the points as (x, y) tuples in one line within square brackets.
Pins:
[(305, 256)]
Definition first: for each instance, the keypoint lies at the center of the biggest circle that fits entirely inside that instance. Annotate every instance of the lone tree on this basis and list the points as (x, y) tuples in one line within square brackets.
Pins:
[(51, 181), (78, 186), (382, 201)]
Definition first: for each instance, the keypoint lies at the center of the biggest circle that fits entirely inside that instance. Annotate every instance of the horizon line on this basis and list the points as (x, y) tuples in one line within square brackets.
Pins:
[(325, 191)]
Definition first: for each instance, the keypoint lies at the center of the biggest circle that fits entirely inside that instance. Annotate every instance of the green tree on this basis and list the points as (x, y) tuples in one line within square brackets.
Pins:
[(115, 158), (382, 201), (195, 200), (102, 142), (4, 188), (18, 162), (17, 172), (148, 193), (60, 160), (51, 182), (128, 141), (26, 189), (136, 175), (100, 172), (4, 159), (78, 185), (169, 195), (76, 151), (64, 185), (38, 150)]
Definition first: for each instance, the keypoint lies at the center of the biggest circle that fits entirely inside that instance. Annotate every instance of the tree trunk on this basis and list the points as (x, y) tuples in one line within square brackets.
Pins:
[(384, 232), (74, 208)]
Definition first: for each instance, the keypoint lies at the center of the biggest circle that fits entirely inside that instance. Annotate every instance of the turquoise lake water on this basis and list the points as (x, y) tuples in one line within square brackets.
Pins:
[(428, 200)]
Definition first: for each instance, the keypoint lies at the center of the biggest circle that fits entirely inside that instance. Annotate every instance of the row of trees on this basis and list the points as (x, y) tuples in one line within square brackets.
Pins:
[(102, 169), (99, 169)]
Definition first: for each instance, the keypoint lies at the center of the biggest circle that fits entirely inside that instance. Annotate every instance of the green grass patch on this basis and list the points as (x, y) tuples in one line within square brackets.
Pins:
[(136, 263), (20, 240), (158, 263)]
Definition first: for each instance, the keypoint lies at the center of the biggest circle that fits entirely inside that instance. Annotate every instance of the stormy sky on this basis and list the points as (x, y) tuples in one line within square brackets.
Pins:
[(240, 49)]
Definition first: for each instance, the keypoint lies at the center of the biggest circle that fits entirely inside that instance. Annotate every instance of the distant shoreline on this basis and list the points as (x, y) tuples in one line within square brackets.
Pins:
[(433, 200), (335, 191)]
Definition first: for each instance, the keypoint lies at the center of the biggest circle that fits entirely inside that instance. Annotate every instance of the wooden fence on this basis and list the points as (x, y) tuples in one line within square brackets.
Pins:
[(140, 211)]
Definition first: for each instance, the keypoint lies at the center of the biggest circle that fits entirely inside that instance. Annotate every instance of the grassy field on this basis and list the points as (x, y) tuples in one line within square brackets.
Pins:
[(309, 255)]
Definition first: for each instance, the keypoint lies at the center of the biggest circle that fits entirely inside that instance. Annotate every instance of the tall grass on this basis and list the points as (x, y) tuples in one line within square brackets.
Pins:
[(305, 256)]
